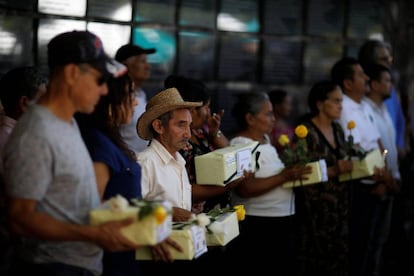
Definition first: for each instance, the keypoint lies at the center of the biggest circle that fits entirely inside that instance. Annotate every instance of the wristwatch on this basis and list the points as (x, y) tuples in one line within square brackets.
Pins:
[(219, 133)]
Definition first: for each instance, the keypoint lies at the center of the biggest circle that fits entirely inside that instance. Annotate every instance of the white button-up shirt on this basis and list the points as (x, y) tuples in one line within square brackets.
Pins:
[(164, 176)]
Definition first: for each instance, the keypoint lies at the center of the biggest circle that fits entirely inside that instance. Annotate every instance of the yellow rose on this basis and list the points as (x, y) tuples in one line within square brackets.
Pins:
[(283, 140), (351, 125), (160, 214), (301, 131), (240, 211)]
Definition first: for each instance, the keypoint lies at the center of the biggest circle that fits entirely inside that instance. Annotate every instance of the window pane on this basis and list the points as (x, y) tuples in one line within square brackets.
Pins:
[(238, 58), (163, 41), (282, 17), (325, 17), (281, 61), (238, 16), (113, 36), (197, 13), (160, 11), (63, 7), (19, 4), (319, 59), (112, 9), (366, 18), (15, 42), (196, 55)]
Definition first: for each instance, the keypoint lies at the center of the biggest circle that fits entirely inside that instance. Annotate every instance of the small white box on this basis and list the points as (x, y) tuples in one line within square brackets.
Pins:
[(226, 228), (224, 165), (319, 174), (145, 231), (192, 239), (365, 167)]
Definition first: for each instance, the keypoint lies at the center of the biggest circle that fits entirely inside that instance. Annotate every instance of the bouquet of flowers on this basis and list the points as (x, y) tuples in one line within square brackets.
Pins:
[(295, 153), (353, 150)]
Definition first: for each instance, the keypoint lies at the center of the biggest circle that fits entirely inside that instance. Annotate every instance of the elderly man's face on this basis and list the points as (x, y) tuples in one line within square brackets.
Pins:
[(175, 135)]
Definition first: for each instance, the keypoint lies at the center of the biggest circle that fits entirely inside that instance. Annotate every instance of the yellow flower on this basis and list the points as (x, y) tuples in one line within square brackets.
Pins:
[(283, 140), (240, 211), (160, 214), (301, 131), (351, 125)]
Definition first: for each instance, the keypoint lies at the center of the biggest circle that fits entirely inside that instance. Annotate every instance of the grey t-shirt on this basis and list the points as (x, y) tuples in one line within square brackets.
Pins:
[(46, 160)]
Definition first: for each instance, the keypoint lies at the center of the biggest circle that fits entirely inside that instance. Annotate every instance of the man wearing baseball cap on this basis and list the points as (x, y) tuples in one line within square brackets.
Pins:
[(49, 176), (135, 58)]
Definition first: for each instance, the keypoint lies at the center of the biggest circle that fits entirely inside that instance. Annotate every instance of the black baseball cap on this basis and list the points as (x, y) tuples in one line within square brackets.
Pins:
[(130, 50), (82, 47)]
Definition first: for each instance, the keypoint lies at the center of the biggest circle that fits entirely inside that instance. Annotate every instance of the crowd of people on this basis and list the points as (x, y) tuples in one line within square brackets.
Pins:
[(87, 133)]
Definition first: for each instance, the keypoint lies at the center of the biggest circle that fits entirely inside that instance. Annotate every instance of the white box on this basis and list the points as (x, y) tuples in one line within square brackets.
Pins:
[(224, 165), (319, 174), (146, 231), (365, 167), (226, 228), (191, 238)]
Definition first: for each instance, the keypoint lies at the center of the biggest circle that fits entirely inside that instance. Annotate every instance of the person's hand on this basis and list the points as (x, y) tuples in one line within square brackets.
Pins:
[(297, 172), (180, 214), (161, 251), (344, 166), (109, 236), (245, 178), (214, 122)]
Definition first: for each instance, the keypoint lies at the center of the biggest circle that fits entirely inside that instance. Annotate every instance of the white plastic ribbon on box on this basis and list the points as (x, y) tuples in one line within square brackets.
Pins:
[(319, 174), (191, 238), (224, 165), (145, 231), (224, 229), (365, 167)]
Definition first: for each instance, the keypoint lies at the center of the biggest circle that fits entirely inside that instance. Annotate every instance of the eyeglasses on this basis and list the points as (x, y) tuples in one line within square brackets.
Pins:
[(100, 78)]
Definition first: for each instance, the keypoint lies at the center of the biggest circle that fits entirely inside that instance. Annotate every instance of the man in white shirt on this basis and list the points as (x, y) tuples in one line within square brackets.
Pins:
[(166, 123), (367, 222), (135, 59)]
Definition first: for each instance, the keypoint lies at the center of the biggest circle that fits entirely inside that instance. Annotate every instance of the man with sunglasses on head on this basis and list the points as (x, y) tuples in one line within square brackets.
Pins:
[(49, 175)]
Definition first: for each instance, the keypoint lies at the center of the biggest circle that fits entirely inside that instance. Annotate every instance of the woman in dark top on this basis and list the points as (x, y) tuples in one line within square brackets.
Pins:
[(322, 209), (116, 169)]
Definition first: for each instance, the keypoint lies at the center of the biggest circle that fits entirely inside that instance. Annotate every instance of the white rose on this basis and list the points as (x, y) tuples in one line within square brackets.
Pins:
[(118, 203)]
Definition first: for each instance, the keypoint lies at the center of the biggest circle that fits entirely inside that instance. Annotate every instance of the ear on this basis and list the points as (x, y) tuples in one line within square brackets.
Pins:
[(249, 119), (157, 126), (71, 73), (23, 103), (348, 84)]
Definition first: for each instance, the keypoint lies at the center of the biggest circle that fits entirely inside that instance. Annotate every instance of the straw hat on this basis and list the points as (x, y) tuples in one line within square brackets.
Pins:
[(163, 102)]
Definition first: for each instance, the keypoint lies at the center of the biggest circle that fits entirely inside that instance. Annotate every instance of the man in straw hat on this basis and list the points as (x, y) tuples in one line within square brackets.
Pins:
[(49, 176), (166, 123)]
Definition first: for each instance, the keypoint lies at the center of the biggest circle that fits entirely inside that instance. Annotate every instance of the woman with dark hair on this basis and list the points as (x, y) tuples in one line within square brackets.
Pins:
[(322, 209), (268, 225)]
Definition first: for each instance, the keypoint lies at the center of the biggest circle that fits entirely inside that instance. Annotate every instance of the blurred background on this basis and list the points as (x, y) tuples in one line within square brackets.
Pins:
[(232, 45)]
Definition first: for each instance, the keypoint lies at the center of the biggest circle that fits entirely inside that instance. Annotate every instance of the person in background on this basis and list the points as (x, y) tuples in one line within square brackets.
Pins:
[(268, 224), (322, 209), (134, 58), (19, 87), (49, 176), (366, 223), (115, 165), (282, 108), (379, 52)]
